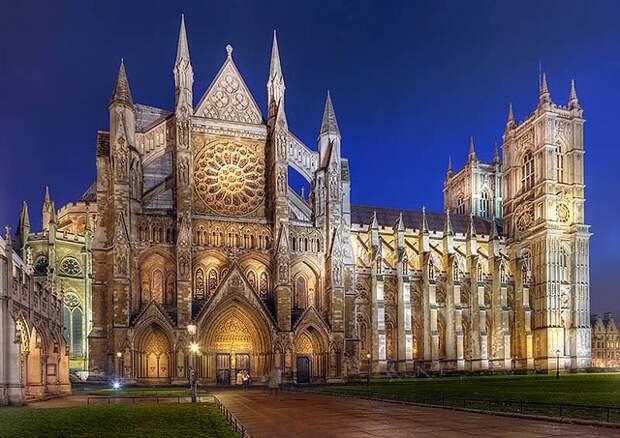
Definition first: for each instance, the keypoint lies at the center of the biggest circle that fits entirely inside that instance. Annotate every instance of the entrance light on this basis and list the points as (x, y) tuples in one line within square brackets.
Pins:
[(194, 347), (191, 329)]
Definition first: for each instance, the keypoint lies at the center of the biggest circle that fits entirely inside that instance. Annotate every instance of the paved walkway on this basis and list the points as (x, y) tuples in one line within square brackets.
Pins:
[(311, 415)]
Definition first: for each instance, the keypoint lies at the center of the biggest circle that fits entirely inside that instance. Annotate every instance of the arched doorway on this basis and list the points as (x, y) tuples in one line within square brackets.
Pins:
[(237, 339), (154, 356), (311, 356)]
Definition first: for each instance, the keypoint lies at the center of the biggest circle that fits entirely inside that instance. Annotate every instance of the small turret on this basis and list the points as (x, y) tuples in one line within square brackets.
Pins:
[(573, 102), (329, 133), (448, 234), (47, 211), (23, 230), (122, 92), (472, 151), (510, 122), (544, 97), (424, 233)]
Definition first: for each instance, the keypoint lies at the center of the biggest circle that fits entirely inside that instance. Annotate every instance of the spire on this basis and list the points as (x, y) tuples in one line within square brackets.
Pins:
[(511, 117), (275, 83), (424, 223), (329, 125), (24, 216), (471, 231), (573, 102), (495, 153), (449, 172), (400, 224), (48, 208), (182, 46), (544, 96), (448, 229), (373, 223), (472, 151), (122, 93)]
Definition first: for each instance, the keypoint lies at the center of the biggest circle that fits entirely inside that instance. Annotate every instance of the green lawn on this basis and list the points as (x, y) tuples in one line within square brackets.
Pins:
[(134, 391), (135, 420), (578, 389), (589, 389)]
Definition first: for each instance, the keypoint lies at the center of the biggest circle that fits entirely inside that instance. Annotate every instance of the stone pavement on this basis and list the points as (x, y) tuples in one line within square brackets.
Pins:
[(301, 415)]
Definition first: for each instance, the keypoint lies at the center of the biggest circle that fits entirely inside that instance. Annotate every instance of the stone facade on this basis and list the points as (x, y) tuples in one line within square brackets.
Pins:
[(34, 358), (605, 341), (195, 225), (62, 258)]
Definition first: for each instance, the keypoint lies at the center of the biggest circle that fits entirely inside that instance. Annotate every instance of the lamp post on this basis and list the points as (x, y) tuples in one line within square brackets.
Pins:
[(557, 364), (368, 375), (193, 348), (116, 384)]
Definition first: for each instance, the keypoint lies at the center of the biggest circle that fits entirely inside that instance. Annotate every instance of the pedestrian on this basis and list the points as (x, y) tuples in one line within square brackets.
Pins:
[(245, 376), (239, 378), (278, 378)]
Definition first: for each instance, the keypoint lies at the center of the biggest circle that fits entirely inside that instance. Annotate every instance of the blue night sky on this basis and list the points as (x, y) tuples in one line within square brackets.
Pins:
[(410, 82)]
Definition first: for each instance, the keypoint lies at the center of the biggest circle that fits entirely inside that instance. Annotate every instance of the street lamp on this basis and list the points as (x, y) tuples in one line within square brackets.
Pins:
[(557, 364), (368, 375), (194, 348)]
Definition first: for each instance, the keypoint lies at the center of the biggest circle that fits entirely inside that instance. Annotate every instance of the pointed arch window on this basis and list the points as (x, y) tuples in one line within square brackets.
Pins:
[(563, 265), (73, 324), (485, 204), (199, 284), (527, 171), (264, 284), (157, 286), (170, 288), (301, 293), (559, 163), (460, 205), (213, 281), (252, 279)]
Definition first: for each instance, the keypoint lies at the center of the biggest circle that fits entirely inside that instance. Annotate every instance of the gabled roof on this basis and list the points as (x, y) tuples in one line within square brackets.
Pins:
[(363, 214), (228, 97)]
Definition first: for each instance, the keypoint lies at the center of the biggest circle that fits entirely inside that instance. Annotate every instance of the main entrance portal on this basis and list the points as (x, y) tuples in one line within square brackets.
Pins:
[(234, 341)]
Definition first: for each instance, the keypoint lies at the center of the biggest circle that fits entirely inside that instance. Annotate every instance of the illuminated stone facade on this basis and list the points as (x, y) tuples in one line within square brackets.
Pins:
[(62, 258), (34, 358), (605, 341), (195, 225)]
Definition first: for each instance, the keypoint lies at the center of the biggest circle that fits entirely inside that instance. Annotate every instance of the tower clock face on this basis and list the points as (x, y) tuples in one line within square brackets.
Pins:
[(229, 176), (563, 213)]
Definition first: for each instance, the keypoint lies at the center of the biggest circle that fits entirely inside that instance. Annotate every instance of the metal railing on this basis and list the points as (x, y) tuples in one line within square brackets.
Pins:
[(230, 417), (606, 414)]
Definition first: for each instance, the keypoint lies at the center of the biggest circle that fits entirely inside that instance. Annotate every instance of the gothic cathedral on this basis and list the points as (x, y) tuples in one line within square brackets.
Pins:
[(191, 234)]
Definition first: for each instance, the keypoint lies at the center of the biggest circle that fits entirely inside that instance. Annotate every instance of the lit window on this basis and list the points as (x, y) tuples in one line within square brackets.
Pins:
[(527, 177), (73, 324)]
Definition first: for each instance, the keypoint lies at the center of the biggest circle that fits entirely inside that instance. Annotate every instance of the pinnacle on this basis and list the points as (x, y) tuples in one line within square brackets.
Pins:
[(424, 224), (229, 50), (329, 124), (122, 93), (511, 116), (573, 102), (448, 230), (275, 67), (182, 47), (495, 153), (47, 198), (24, 216), (472, 151), (449, 164)]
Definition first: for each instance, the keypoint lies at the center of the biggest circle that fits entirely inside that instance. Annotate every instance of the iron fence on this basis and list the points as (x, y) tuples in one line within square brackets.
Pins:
[(230, 417), (119, 400)]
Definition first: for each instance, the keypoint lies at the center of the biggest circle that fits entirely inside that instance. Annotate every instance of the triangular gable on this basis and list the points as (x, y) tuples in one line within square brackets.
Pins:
[(228, 97), (235, 285), (153, 312)]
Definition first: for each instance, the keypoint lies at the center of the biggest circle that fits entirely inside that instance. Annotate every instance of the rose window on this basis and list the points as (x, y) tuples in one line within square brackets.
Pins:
[(229, 177), (70, 266)]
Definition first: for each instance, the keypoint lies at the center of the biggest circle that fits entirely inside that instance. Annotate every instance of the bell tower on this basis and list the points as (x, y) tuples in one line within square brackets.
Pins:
[(548, 239)]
